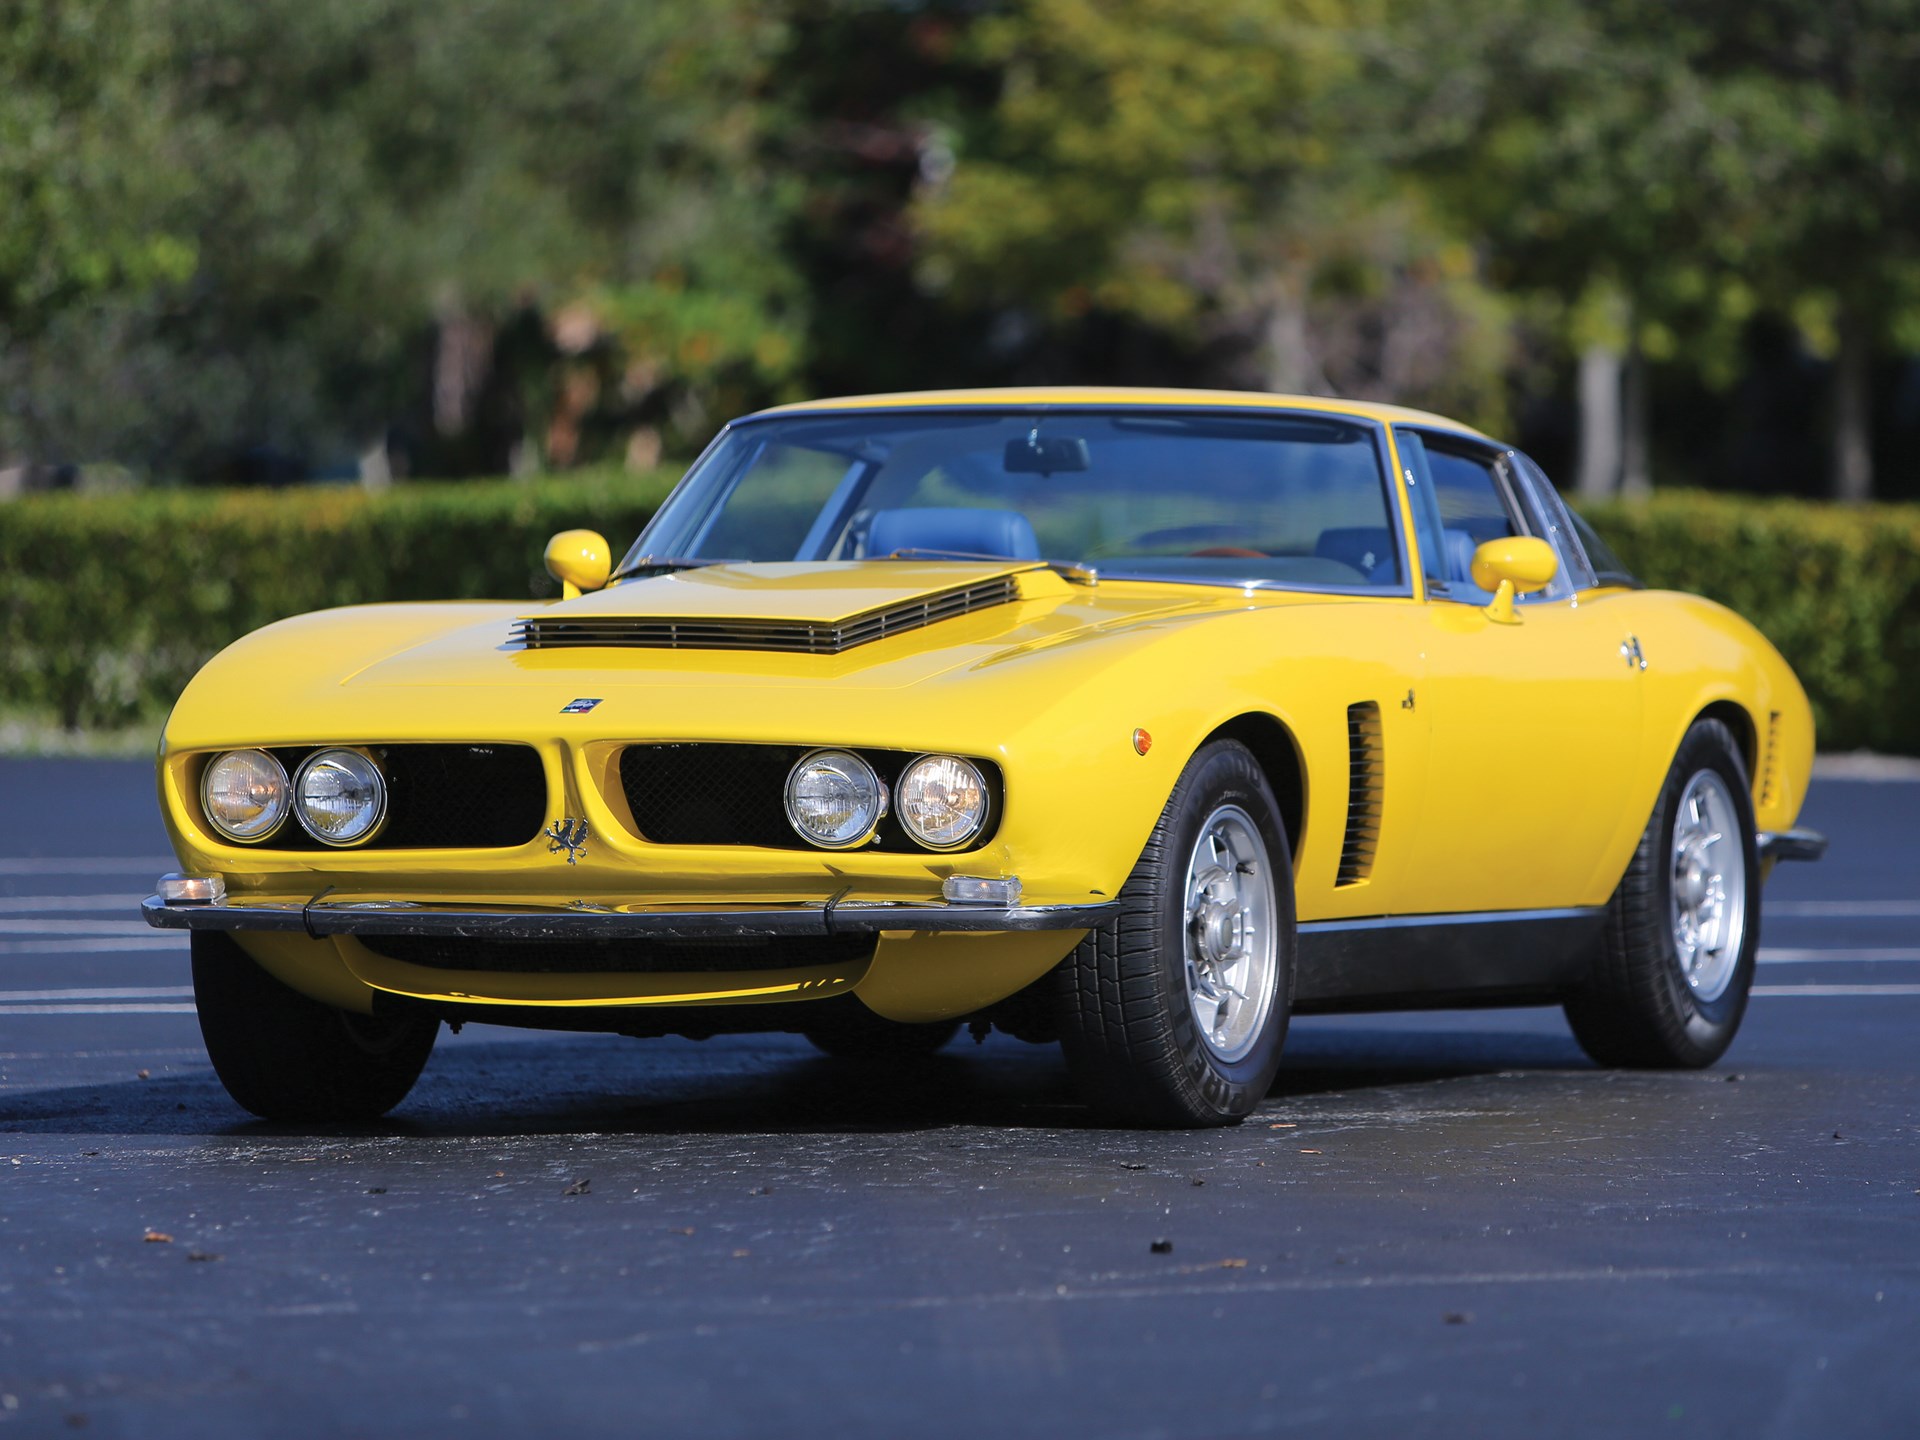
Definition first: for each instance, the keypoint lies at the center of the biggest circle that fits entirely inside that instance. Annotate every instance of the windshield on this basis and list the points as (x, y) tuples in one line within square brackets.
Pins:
[(1278, 498)]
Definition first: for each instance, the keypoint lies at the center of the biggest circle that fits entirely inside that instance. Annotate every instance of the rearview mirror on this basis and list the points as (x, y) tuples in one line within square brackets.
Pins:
[(1038, 454), (579, 560), (1513, 564)]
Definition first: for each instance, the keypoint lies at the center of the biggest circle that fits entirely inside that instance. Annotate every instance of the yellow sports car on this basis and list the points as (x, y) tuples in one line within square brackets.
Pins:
[(1135, 720)]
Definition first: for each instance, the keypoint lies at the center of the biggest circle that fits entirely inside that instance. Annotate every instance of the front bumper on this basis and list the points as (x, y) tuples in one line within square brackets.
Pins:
[(318, 918), (1791, 844)]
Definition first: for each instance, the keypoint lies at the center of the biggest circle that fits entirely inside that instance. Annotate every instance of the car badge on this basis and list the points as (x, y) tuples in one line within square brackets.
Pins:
[(569, 835), (578, 707)]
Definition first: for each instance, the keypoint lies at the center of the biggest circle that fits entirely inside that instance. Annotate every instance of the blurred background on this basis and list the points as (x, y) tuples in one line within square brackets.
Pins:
[(273, 273)]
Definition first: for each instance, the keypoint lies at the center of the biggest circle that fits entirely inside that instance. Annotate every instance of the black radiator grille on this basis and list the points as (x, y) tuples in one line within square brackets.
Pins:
[(804, 637), (442, 797), (718, 794), (563, 957)]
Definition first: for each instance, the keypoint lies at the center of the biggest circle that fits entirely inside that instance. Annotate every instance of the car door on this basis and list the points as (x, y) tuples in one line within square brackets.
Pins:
[(1533, 725)]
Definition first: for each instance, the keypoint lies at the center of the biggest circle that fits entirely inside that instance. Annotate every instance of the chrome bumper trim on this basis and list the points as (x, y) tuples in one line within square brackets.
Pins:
[(847, 917), (1791, 844)]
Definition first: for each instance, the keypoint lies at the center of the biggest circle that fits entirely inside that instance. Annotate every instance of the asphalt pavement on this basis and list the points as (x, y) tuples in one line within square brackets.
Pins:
[(1438, 1224)]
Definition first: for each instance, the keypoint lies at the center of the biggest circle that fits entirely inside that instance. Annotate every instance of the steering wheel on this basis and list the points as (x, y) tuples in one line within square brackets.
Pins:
[(1227, 552)]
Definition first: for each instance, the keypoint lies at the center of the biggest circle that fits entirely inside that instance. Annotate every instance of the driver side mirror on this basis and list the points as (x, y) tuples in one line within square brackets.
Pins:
[(1514, 564), (579, 560)]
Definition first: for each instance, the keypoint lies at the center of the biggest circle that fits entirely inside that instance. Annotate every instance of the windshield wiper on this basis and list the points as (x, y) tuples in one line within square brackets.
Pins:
[(1073, 570), (661, 564)]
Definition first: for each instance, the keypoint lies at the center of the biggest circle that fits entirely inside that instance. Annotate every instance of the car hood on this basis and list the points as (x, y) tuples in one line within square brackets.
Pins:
[(880, 624)]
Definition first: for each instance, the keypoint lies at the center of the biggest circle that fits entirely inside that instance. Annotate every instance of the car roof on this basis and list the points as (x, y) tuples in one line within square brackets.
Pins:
[(1119, 395)]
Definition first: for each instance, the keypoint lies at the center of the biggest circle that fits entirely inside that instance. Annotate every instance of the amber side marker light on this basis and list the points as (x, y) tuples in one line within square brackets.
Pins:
[(1142, 741)]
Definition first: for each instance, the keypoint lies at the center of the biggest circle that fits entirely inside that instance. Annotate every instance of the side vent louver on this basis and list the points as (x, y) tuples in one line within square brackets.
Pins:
[(1769, 746), (1366, 791)]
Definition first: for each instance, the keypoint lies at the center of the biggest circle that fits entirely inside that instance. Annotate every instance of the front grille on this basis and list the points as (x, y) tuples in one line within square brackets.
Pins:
[(706, 794), (565, 957), (801, 637), (443, 797)]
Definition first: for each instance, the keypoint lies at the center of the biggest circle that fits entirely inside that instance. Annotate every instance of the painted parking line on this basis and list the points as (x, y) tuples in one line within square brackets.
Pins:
[(105, 929), (125, 902), (1815, 991), (105, 1009), (91, 865), (1784, 955), (1863, 909), (172, 941), (99, 992)]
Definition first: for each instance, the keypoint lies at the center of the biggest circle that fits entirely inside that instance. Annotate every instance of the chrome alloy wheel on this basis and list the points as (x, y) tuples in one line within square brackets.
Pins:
[(1709, 886), (1231, 934)]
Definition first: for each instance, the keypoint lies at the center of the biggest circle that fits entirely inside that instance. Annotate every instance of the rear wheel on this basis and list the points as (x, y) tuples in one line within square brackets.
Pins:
[(286, 1057), (1683, 927), (1174, 1011)]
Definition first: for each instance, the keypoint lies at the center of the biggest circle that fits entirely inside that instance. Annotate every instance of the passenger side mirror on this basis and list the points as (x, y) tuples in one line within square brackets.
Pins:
[(1513, 564), (579, 560)]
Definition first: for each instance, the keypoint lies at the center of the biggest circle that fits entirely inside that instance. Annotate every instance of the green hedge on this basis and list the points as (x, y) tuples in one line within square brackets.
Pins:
[(1836, 589), (108, 603)]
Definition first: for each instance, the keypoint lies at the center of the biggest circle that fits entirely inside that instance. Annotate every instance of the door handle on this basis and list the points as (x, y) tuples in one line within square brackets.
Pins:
[(1631, 653)]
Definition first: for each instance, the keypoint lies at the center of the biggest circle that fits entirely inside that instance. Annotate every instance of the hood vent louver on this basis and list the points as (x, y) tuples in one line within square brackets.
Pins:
[(799, 637)]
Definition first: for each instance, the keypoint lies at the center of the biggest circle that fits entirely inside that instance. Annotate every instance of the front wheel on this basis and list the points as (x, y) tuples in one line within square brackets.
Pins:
[(286, 1057), (1683, 927), (1174, 1011)]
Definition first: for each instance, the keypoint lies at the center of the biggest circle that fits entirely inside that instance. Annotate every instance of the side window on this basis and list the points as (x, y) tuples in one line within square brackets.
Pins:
[(1557, 525), (1460, 503), (1606, 565)]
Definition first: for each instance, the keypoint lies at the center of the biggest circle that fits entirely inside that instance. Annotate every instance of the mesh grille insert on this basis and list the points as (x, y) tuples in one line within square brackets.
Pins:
[(451, 797), (720, 794), (804, 637)]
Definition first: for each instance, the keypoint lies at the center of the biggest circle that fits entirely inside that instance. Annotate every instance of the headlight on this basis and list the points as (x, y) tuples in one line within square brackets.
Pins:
[(243, 794), (943, 801), (834, 799), (340, 797)]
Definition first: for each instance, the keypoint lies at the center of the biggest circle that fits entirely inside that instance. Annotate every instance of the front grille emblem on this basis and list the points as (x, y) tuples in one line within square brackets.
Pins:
[(579, 707), (569, 835)]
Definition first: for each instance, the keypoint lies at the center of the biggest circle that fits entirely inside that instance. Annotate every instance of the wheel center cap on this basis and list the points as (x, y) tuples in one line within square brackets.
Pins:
[(1223, 932)]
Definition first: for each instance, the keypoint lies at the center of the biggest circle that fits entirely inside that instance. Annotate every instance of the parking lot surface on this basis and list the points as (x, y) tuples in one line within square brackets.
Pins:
[(1438, 1224)]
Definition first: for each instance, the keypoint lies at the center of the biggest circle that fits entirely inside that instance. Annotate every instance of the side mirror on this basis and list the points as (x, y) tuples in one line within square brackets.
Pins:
[(1515, 564), (579, 560)]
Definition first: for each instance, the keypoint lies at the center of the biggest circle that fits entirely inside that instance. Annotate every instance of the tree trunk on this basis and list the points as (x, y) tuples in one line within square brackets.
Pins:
[(1852, 412), (1600, 380), (1636, 441), (1287, 367)]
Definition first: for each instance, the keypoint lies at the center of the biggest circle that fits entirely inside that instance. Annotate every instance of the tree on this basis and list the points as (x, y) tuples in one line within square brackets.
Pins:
[(1212, 169)]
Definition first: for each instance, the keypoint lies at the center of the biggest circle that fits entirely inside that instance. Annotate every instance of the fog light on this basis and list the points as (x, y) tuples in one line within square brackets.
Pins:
[(340, 797), (178, 889), (979, 890)]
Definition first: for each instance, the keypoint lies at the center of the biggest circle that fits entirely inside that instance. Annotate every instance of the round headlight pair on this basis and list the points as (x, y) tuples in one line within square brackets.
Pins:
[(338, 796), (835, 801)]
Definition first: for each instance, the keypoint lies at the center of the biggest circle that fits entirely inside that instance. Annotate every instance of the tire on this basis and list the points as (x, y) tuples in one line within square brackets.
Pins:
[(1131, 997), (1670, 986), (286, 1057), (865, 1036)]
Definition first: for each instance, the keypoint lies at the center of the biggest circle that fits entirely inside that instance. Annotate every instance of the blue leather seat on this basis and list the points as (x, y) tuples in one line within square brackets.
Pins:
[(1367, 548), (1460, 548), (1004, 533)]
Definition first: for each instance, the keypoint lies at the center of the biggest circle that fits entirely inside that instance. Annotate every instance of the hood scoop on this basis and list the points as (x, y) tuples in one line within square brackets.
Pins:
[(799, 637)]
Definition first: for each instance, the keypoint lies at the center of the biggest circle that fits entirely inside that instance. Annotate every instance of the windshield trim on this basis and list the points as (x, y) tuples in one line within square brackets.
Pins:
[(1377, 429)]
